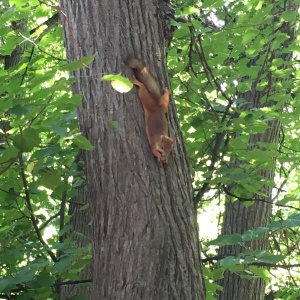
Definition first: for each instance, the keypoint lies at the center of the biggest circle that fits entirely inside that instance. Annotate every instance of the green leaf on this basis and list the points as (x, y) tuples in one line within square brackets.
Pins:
[(289, 16), (20, 110), (49, 151), (3, 284), (272, 258), (230, 261), (236, 265), (119, 83), (83, 143), (50, 180), (62, 265), (4, 228), (8, 153), (292, 221), (34, 2), (218, 273), (63, 132), (223, 240), (81, 63), (84, 207), (113, 124), (38, 80), (254, 234), (295, 295), (17, 2), (65, 229), (249, 35), (189, 10), (182, 32), (44, 279), (26, 141), (260, 272)]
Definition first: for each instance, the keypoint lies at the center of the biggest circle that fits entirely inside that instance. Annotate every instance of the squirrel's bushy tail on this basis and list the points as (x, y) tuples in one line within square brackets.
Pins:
[(143, 74)]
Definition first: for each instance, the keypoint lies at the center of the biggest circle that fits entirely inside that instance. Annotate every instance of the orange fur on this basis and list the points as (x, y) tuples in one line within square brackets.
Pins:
[(155, 107)]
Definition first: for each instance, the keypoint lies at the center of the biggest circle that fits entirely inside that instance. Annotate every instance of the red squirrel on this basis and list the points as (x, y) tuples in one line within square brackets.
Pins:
[(155, 106)]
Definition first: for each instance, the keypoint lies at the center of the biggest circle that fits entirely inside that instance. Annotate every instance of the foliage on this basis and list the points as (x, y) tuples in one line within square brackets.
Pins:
[(222, 52), (39, 162)]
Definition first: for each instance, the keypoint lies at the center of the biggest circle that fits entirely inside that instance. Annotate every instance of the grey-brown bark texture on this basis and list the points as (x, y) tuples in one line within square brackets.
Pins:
[(237, 217), (145, 238), (12, 60)]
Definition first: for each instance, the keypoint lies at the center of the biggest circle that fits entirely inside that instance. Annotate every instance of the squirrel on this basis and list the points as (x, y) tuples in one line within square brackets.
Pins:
[(155, 106)]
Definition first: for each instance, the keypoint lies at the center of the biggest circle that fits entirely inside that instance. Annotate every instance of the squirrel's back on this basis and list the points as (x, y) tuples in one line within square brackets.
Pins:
[(143, 74)]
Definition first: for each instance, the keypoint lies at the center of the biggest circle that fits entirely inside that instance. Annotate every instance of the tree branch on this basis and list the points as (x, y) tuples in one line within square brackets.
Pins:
[(50, 23), (30, 208)]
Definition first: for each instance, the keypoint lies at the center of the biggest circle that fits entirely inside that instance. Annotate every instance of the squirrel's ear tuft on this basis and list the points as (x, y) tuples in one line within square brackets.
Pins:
[(127, 59), (134, 63)]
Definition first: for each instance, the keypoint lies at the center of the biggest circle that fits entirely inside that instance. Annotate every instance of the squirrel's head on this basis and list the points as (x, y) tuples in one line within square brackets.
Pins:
[(167, 146)]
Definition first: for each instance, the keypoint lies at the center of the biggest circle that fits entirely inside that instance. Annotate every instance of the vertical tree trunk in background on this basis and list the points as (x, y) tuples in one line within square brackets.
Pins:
[(237, 217), (145, 237), (12, 60), (17, 54)]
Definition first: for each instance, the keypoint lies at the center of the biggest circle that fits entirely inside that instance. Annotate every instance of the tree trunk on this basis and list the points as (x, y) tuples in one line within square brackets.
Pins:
[(237, 217), (11, 60), (145, 237)]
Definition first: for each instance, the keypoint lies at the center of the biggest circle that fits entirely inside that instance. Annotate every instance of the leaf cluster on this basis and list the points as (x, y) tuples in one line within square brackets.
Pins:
[(234, 72), (40, 165)]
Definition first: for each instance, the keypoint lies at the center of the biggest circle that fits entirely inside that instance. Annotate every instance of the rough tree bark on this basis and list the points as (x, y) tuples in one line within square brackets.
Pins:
[(237, 217), (145, 237)]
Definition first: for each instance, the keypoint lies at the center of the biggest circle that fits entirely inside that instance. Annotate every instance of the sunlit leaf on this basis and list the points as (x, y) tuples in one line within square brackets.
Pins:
[(119, 83)]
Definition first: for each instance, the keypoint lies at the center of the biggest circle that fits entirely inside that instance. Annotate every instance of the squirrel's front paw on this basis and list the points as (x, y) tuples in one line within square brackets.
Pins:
[(162, 157), (133, 79)]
